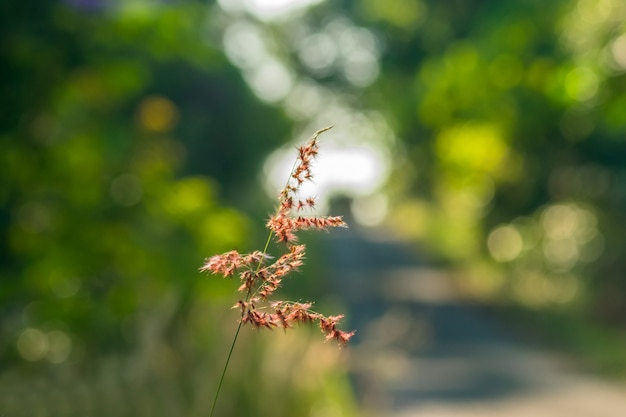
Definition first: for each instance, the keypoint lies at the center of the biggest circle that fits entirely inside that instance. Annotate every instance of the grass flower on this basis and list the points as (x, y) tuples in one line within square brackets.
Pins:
[(260, 277)]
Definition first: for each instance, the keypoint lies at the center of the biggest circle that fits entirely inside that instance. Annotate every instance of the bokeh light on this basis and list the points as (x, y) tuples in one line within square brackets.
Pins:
[(505, 243), (157, 114)]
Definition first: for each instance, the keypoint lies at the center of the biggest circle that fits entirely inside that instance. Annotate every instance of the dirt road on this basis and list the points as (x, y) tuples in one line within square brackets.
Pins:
[(421, 351)]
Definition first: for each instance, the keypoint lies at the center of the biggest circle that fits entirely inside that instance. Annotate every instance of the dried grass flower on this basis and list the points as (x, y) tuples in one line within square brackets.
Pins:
[(260, 277)]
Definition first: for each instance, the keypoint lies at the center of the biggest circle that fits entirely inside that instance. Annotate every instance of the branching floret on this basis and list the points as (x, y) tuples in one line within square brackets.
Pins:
[(260, 278)]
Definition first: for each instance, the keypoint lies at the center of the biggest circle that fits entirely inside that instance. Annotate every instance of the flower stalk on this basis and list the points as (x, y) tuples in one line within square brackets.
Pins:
[(260, 278)]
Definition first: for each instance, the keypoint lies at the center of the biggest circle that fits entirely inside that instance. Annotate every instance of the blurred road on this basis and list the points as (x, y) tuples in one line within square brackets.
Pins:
[(421, 351)]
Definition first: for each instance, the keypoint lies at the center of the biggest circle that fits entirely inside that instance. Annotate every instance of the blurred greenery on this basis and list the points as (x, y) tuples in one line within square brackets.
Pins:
[(130, 148), (133, 133), (512, 120)]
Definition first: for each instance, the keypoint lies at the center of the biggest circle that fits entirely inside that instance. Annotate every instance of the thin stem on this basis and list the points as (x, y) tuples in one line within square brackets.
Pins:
[(232, 346), (219, 387)]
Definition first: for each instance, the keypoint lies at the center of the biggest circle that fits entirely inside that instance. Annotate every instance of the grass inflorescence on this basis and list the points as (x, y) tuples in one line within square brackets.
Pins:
[(261, 276)]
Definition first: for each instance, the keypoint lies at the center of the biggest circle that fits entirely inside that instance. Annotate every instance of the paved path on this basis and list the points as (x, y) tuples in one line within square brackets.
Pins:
[(420, 351)]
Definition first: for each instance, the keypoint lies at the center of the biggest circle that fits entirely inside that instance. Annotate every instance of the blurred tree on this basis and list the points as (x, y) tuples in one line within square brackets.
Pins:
[(107, 110), (516, 159)]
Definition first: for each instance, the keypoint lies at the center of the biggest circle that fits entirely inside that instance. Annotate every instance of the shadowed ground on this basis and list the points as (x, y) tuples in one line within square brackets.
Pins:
[(420, 350)]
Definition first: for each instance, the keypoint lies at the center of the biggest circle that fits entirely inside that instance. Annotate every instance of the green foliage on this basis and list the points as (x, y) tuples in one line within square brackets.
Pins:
[(88, 165), (508, 113), (130, 148)]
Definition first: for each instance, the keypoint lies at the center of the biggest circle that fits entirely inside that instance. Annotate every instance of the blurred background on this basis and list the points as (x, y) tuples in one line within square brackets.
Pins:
[(139, 137)]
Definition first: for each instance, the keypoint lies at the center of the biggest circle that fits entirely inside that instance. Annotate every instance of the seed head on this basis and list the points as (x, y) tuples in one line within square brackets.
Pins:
[(260, 279)]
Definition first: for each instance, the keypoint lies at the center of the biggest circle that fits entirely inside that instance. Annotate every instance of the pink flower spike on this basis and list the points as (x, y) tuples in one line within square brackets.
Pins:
[(261, 278)]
